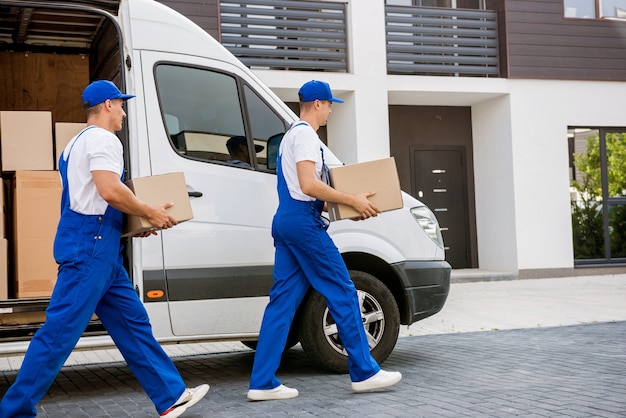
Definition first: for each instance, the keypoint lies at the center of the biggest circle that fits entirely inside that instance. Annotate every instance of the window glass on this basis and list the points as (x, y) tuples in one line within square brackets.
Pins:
[(616, 163), (617, 230), (266, 127), (585, 9), (586, 194), (616, 173), (598, 194), (201, 110), (613, 8)]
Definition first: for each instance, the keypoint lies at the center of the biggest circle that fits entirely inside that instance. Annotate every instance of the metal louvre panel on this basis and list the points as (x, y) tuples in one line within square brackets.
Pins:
[(437, 41), (278, 34)]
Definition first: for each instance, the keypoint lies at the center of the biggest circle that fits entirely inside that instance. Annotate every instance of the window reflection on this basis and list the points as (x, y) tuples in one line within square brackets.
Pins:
[(205, 120), (598, 194)]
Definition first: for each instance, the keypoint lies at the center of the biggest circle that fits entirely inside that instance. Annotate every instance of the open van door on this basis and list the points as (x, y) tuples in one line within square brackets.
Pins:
[(218, 266)]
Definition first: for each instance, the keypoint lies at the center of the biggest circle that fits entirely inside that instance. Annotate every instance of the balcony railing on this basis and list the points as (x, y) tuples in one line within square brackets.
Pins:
[(286, 34), (311, 35), (438, 41)]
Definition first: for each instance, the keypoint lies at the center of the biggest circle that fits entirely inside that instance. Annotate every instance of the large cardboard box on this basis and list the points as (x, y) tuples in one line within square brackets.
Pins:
[(26, 140), (63, 134), (36, 211), (380, 176), (156, 190)]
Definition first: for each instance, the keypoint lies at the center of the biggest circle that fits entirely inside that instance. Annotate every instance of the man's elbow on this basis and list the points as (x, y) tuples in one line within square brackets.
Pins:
[(108, 194), (308, 188)]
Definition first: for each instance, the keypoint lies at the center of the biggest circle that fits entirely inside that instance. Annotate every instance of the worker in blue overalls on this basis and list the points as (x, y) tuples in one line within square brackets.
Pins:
[(91, 275), (306, 256)]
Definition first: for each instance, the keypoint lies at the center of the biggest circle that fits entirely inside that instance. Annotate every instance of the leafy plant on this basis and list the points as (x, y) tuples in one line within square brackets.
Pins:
[(587, 220)]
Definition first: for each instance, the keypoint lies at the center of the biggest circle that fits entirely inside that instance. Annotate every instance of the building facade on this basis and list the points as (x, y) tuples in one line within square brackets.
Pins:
[(483, 104)]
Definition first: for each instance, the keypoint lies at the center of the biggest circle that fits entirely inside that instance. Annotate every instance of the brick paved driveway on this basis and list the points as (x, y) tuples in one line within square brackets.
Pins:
[(571, 371)]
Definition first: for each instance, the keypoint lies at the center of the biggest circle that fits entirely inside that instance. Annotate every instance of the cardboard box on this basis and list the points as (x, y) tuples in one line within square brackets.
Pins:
[(4, 266), (63, 134), (156, 190), (36, 212), (380, 176), (26, 140), (2, 210)]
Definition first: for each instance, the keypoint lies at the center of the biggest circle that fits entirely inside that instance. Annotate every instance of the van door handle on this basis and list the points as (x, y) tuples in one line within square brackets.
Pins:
[(194, 194)]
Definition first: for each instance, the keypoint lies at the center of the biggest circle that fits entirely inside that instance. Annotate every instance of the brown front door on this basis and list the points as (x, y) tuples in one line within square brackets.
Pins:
[(439, 180)]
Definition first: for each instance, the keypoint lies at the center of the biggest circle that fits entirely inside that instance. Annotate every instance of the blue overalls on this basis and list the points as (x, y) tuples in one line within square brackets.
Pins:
[(306, 256), (91, 278)]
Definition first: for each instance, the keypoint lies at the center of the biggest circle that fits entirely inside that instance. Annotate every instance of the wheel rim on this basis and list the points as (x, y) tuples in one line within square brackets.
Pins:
[(373, 323)]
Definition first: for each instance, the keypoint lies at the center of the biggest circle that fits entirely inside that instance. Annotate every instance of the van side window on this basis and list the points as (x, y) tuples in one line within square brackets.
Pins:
[(204, 118), (266, 126), (201, 110)]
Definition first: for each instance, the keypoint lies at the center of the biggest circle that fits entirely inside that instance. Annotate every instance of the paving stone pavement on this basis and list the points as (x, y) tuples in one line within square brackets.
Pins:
[(572, 371), (529, 348)]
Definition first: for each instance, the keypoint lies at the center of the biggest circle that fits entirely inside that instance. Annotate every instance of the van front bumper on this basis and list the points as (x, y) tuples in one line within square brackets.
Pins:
[(426, 285)]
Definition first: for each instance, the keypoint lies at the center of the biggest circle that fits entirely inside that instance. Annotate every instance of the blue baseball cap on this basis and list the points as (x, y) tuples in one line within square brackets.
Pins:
[(316, 90), (100, 91)]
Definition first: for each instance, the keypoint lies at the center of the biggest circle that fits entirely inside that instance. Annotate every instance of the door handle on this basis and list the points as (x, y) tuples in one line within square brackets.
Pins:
[(194, 194)]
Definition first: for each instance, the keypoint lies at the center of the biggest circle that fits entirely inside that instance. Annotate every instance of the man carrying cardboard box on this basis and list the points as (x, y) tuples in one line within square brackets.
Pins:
[(306, 255), (91, 275)]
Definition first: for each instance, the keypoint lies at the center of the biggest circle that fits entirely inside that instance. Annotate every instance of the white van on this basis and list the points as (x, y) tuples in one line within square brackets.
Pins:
[(208, 279)]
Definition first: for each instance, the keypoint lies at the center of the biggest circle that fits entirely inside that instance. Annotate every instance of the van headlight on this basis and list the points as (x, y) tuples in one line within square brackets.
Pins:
[(426, 219)]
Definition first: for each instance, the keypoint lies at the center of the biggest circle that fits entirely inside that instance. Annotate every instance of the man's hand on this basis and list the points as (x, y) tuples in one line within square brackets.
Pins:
[(145, 234), (364, 207), (159, 218)]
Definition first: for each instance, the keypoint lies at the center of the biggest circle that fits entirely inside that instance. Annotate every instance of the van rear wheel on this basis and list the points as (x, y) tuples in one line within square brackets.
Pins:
[(319, 336)]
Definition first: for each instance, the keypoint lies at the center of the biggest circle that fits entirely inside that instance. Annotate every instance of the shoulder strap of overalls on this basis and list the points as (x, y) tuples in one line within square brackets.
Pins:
[(76, 140), (290, 128), (325, 171)]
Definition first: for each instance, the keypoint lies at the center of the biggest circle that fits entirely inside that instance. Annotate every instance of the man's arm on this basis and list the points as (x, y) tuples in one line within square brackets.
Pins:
[(118, 195), (312, 186)]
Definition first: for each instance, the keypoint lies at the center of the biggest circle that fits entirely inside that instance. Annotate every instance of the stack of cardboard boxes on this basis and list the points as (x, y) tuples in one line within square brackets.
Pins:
[(30, 201)]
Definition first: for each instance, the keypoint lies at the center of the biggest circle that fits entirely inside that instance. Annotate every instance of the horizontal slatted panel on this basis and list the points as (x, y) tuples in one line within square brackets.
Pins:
[(279, 34), (437, 41), (542, 43)]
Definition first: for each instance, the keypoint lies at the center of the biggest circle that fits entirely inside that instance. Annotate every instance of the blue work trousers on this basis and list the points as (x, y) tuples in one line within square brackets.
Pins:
[(306, 256), (91, 279)]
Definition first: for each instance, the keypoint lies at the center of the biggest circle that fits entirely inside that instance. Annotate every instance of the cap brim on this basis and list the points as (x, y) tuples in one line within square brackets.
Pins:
[(127, 96), (336, 100)]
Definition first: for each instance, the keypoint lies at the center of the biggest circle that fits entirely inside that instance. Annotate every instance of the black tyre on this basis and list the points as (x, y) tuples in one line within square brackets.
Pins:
[(381, 319)]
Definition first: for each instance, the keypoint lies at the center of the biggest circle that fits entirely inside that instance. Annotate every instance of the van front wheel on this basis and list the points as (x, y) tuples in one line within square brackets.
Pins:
[(319, 336)]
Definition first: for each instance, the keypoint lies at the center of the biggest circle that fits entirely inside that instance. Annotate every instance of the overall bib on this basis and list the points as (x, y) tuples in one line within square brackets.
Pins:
[(306, 256), (91, 278)]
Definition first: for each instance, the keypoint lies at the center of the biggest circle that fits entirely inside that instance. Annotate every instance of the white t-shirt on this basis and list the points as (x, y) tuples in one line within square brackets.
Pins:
[(300, 143), (95, 149)]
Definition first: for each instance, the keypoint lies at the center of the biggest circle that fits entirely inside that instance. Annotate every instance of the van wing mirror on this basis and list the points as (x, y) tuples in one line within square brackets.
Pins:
[(273, 142)]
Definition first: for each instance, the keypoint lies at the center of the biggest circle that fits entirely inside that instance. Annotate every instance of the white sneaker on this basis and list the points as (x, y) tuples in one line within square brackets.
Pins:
[(189, 398), (279, 392), (380, 380)]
